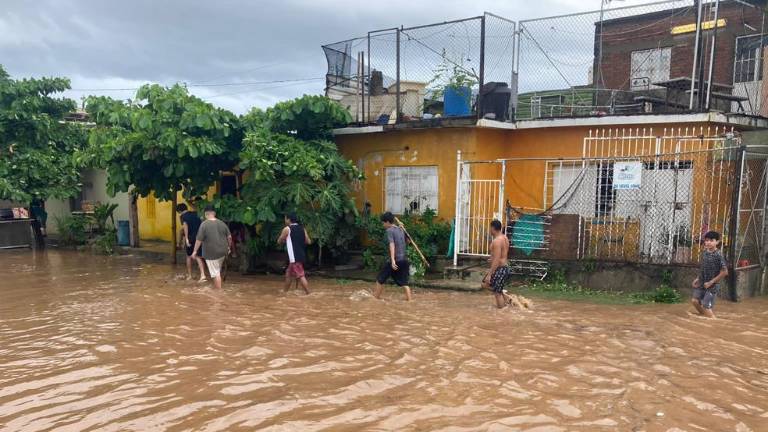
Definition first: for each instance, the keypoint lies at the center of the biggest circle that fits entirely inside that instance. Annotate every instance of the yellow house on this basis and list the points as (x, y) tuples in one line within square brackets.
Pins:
[(155, 216)]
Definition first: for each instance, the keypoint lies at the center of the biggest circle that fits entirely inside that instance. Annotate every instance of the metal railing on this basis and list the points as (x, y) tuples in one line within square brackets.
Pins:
[(650, 58)]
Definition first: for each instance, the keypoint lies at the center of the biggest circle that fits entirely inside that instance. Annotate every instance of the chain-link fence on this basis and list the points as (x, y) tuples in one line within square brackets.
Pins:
[(634, 196), (651, 58), (643, 59), (456, 69)]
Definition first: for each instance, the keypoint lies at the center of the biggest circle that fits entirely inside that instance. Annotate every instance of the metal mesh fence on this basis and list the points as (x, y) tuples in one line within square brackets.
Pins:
[(345, 80), (635, 196), (381, 98), (440, 69), (642, 59), (582, 64), (750, 241), (426, 72), (614, 61)]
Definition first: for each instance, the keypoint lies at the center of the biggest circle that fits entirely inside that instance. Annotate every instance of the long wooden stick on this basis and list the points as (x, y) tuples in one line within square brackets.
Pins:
[(402, 226)]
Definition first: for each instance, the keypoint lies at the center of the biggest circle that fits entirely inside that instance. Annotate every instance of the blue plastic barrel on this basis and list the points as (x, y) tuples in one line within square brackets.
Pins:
[(457, 101), (123, 233)]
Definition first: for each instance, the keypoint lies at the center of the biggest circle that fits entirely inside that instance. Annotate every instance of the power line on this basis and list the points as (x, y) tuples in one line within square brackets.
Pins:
[(251, 91), (207, 85)]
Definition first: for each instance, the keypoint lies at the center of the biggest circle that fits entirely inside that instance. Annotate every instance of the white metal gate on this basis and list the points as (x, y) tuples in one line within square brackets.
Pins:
[(479, 200)]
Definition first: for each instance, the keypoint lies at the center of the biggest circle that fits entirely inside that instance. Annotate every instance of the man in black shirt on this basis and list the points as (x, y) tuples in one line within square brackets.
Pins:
[(190, 223)]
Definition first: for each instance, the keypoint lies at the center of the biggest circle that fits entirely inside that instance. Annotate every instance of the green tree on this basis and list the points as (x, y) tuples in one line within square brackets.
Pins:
[(291, 166), (41, 155), (308, 117), (163, 142)]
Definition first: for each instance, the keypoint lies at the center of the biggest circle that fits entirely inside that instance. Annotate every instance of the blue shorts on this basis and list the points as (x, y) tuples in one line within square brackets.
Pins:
[(705, 296)]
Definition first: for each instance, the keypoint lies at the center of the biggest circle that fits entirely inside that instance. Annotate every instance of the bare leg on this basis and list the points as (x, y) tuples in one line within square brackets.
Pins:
[(217, 282), (304, 284), (709, 313), (377, 291), (288, 282), (500, 301), (699, 308), (189, 267), (408, 296), (201, 266)]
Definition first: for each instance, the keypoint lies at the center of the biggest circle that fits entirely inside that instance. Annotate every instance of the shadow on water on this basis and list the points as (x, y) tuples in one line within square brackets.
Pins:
[(113, 344)]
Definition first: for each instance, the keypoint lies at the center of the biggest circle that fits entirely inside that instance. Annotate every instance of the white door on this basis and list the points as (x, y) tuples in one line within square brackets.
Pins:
[(665, 207)]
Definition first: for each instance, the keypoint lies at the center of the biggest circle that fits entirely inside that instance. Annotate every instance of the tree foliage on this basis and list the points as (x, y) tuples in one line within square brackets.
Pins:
[(308, 117), (287, 173), (165, 141), (41, 156)]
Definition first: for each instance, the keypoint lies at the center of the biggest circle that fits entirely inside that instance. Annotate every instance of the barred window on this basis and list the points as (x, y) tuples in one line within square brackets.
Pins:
[(748, 60), (650, 66), (410, 189)]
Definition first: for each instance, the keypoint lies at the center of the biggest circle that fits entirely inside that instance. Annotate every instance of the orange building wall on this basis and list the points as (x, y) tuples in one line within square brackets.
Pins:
[(524, 180)]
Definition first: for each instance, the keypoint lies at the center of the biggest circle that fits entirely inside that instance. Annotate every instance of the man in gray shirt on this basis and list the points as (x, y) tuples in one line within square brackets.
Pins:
[(214, 235), (397, 265)]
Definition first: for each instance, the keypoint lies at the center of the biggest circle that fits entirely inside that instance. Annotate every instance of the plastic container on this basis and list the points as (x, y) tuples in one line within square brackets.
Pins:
[(457, 101), (123, 233)]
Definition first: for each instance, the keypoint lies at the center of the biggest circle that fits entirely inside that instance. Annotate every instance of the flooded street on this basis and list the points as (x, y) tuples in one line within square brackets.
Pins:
[(115, 344)]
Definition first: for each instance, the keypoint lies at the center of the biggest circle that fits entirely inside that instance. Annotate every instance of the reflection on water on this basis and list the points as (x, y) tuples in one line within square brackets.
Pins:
[(114, 344)]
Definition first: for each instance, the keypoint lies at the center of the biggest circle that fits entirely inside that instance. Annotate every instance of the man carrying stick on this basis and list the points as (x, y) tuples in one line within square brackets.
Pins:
[(397, 266)]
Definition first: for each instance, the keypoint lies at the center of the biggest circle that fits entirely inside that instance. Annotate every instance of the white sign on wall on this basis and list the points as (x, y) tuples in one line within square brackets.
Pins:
[(627, 175)]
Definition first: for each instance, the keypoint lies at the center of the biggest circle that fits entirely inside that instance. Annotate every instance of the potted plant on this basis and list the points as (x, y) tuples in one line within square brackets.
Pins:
[(453, 84)]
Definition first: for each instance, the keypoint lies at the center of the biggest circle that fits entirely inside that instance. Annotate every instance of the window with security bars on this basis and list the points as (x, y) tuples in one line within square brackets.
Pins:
[(410, 189), (748, 60), (649, 66)]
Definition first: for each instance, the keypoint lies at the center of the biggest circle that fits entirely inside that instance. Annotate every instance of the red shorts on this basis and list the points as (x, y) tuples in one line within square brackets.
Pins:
[(295, 269)]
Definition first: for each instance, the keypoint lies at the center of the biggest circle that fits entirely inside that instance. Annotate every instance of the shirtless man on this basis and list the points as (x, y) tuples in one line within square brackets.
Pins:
[(499, 273)]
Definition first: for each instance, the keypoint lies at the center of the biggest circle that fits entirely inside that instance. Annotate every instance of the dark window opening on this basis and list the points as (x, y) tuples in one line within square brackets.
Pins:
[(606, 198), (228, 186)]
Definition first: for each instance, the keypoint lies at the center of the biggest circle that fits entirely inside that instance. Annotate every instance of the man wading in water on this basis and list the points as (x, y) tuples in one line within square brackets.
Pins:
[(216, 240), (296, 239), (190, 223), (397, 265), (499, 273)]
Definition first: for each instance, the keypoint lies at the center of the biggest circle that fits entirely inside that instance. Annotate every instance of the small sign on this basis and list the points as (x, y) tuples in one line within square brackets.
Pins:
[(627, 175)]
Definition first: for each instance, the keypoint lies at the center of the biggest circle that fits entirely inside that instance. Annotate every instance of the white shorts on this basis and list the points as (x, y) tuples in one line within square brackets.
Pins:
[(214, 266)]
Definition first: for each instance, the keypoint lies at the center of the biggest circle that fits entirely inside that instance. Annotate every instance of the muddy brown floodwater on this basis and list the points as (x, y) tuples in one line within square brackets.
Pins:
[(115, 344)]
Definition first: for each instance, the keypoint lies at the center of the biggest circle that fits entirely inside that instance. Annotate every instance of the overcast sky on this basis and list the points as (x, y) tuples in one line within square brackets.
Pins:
[(122, 44)]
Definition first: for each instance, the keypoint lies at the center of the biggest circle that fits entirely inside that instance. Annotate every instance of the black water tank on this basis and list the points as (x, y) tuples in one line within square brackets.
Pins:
[(495, 100)]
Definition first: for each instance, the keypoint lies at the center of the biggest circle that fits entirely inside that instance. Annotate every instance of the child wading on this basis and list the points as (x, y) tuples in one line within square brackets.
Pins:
[(397, 265), (499, 273), (713, 269), (296, 239)]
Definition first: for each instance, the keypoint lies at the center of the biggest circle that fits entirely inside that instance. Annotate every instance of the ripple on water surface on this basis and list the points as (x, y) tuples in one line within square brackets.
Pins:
[(114, 344)]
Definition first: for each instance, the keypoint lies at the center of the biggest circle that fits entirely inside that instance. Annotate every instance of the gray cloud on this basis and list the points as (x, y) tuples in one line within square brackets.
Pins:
[(122, 44)]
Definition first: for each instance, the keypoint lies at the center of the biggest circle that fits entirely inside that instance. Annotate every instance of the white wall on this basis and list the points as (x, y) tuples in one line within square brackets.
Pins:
[(94, 189)]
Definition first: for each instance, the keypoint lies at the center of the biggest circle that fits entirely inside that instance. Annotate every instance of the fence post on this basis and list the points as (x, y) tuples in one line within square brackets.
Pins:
[(481, 78), (733, 224), (397, 78), (502, 209), (698, 5), (457, 211), (368, 116)]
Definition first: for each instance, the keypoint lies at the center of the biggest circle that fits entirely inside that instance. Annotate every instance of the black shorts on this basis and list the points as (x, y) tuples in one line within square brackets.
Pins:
[(191, 249), (400, 275), (499, 279)]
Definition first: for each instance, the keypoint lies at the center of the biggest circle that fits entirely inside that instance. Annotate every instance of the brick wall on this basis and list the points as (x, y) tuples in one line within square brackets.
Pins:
[(622, 36)]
